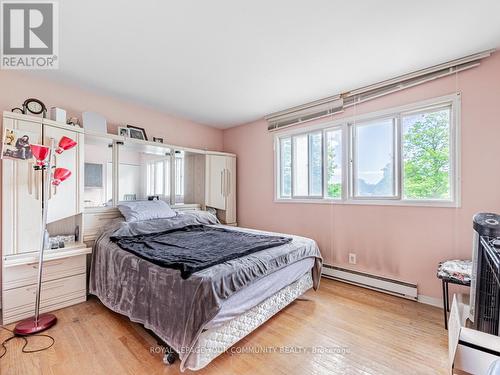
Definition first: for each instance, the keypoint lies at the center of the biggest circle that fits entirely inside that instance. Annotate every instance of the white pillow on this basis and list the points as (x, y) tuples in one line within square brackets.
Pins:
[(145, 210)]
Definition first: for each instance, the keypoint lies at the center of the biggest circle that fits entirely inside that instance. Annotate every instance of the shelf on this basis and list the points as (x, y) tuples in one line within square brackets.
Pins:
[(153, 147), (111, 209), (70, 251), (43, 120)]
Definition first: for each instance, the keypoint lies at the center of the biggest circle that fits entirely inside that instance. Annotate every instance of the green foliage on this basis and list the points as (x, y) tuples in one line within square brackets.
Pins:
[(286, 156), (426, 157), (334, 190)]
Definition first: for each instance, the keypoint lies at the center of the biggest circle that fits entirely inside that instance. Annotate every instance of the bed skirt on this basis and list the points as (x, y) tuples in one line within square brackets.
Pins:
[(213, 342)]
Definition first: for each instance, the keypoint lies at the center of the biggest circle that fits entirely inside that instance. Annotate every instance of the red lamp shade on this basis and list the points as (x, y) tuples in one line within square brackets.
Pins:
[(60, 174), (65, 143), (40, 153)]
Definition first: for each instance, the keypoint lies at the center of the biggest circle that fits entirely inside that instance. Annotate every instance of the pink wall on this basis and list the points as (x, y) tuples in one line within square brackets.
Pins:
[(400, 242), (18, 86)]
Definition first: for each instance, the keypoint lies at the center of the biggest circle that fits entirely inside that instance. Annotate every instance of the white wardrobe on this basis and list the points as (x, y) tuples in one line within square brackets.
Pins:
[(64, 276), (220, 186)]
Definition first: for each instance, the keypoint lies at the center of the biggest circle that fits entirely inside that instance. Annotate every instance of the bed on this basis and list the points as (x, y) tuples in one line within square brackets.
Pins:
[(204, 314)]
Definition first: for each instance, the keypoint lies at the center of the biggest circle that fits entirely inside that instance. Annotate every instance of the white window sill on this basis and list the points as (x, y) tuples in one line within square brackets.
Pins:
[(373, 202)]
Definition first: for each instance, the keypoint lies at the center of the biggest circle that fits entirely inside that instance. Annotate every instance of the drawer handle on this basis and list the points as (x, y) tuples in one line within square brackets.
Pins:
[(45, 287), (35, 265), (53, 286)]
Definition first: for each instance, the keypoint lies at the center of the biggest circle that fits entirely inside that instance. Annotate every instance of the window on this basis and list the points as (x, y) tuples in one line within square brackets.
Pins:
[(286, 167), (406, 155), (426, 154), (301, 163), (305, 153), (179, 177), (333, 160), (158, 178), (374, 159)]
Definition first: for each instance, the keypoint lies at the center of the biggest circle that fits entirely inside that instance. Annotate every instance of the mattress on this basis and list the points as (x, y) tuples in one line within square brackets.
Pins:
[(259, 291)]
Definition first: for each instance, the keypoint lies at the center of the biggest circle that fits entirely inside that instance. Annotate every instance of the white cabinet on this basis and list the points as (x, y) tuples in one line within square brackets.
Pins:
[(220, 186), (21, 194), (215, 175), (64, 274), (22, 185), (64, 200), (63, 284)]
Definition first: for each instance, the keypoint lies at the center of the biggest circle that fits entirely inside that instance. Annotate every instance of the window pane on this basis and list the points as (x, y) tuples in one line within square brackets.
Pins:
[(426, 155), (159, 167), (166, 182), (315, 165), (300, 162), (374, 159), (286, 167), (334, 164), (149, 179), (179, 177)]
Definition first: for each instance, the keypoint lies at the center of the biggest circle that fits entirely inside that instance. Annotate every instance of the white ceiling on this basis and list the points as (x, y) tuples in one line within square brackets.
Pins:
[(226, 62)]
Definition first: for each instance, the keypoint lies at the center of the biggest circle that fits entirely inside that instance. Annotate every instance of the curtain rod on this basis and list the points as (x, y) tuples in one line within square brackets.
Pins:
[(352, 94)]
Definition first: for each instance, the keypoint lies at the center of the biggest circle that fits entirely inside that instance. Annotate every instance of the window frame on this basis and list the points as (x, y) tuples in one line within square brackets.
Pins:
[(452, 101), (342, 128), (281, 168), (396, 148), (452, 149), (151, 166), (292, 149)]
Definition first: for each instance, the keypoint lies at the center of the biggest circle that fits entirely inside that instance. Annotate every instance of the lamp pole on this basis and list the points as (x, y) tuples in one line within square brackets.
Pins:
[(47, 181), (40, 322)]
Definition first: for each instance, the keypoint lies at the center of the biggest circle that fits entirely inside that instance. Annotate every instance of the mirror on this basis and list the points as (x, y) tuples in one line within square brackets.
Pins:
[(189, 177), (98, 172), (143, 172)]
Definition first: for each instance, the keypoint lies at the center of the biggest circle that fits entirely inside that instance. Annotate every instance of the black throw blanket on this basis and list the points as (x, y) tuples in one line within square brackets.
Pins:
[(195, 247)]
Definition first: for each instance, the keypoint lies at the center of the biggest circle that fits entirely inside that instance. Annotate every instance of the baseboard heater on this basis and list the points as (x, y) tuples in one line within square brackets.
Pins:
[(379, 283)]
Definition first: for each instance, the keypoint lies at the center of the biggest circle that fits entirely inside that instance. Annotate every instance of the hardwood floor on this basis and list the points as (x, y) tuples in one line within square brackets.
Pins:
[(381, 334)]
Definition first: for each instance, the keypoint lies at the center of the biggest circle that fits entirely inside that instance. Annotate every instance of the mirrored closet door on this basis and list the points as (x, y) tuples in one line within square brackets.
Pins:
[(98, 180), (144, 172)]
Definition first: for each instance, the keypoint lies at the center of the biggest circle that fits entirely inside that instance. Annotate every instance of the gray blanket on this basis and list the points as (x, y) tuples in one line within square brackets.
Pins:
[(177, 309), (193, 248)]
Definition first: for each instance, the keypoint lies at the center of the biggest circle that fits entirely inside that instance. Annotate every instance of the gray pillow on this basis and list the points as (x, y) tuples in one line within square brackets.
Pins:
[(145, 210)]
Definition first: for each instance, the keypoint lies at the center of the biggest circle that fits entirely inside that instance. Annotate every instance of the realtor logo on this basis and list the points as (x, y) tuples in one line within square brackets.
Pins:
[(30, 35)]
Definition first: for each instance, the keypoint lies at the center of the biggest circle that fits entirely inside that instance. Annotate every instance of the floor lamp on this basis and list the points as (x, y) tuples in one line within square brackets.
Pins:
[(43, 155)]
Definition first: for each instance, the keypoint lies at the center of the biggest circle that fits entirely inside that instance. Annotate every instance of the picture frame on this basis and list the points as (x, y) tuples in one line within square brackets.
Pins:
[(157, 139), (123, 131), (137, 133), (93, 175), (16, 144)]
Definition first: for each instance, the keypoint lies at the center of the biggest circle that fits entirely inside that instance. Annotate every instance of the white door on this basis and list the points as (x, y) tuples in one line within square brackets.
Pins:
[(63, 199), (230, 189), (215, 177), (22, 195)]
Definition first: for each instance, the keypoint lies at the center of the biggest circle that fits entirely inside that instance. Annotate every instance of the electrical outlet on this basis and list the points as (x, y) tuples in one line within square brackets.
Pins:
[(352, 258)]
